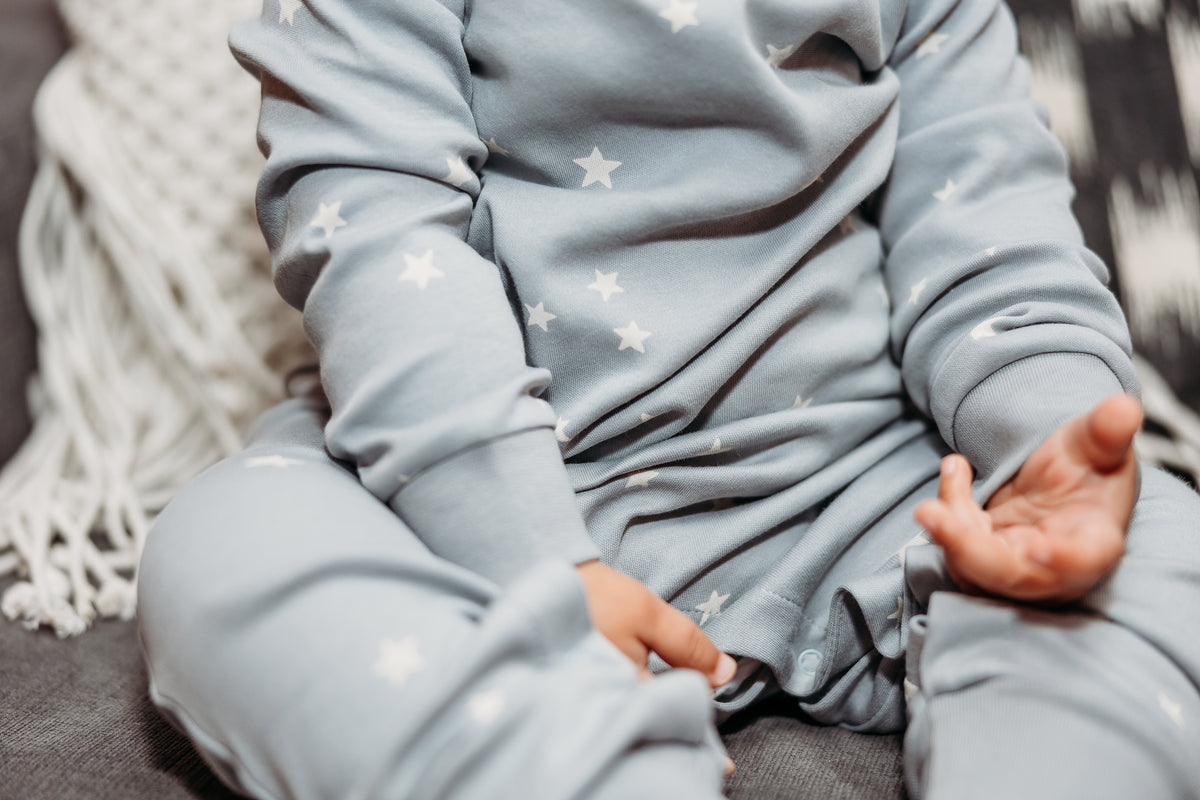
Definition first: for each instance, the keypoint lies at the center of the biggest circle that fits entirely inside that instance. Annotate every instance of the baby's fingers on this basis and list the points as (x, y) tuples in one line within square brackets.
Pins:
[(954, 486), (681, 643)]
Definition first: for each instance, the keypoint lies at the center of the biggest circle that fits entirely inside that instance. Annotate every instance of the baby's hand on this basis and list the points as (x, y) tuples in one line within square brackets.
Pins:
[(637, 621), (1058, 527)]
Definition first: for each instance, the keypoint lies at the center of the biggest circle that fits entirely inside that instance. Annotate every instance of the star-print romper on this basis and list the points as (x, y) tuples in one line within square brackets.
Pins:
[(704, 288)]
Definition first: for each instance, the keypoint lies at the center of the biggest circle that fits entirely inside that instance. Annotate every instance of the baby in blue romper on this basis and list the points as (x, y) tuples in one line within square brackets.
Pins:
[(753, 338)]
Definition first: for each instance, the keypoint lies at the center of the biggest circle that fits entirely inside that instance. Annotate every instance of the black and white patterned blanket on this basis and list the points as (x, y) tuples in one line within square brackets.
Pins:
[(1121, 79)]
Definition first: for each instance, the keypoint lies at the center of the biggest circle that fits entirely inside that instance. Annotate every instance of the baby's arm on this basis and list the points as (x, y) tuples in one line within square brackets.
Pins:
[(1002, 323), (366, 202)]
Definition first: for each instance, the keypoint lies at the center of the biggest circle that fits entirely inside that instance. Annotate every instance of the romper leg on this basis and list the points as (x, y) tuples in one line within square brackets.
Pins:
[(312, 647), (1098, 701)]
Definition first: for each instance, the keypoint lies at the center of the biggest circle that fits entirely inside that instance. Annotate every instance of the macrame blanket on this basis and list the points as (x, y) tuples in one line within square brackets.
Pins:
[(160, 335)]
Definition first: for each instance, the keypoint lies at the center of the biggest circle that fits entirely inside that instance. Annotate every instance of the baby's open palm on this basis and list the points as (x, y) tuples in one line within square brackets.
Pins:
[(1057, 527)]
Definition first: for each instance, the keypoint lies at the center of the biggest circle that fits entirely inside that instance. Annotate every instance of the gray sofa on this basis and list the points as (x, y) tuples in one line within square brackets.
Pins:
[(75, 721)]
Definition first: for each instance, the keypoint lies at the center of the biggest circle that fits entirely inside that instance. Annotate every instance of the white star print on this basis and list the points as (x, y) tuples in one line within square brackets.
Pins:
[(1171, 709), (327, 218), (272, 461), (931, 44), (485, 707), (420, 270), (459, 173), (915, 292), (777, 55), (598, 169), (898, 614), (538, 315), (641, 479), (398, 661), (560, 429), (680, 15), (494, 148), (287, 11), (647, 417), (712, 606), (984, 329), (911, 690), (944, 193), (919, 540), (715, 448), (631, 337), (605, 284), (991, 251), (801, 402)]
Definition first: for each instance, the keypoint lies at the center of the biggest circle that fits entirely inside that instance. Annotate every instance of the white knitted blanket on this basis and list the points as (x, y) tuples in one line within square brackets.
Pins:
[(160, 335)]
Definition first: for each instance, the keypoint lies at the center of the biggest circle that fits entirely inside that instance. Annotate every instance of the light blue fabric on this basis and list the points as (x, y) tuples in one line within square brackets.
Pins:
[(660, 244), (705, 289)]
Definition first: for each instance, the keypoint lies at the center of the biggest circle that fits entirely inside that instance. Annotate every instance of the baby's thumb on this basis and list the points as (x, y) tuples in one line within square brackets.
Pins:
[(1104, 436)]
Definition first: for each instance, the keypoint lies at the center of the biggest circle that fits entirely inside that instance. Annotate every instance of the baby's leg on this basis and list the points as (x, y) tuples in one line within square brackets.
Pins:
[(310, 646), (1100, 702)]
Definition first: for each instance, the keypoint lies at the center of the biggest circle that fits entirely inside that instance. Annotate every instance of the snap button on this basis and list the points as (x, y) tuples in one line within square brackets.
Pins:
[(809, 662)]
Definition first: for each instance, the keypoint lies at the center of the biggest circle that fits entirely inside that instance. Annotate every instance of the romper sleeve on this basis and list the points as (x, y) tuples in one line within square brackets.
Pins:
[(1002, 321), (366, 201)]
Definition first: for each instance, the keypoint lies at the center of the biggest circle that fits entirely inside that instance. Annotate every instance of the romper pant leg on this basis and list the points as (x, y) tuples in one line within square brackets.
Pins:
[(312, 647), (1096, 701)]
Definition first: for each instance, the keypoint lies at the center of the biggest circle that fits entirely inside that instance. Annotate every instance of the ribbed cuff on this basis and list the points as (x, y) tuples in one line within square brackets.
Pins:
[(1003, 419), (498, 509)]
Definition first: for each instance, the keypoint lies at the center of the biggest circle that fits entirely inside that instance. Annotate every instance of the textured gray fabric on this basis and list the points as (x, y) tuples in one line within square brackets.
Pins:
[(76, 724), (781, 757), (31, 40)]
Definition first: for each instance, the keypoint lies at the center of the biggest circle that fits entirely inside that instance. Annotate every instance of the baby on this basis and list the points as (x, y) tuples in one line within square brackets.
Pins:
[(646, 328)]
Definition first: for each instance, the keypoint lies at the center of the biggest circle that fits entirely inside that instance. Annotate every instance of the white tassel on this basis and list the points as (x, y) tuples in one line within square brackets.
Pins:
[(159, 342)]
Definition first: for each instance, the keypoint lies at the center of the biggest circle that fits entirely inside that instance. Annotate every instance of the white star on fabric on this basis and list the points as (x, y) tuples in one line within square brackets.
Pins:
[(598, 169), (632, 337), (485, 707), (398, 660), (911, 690), (605, 284), (287, 11), (538, 315), (560, 429), (459, 173), (420, 270), (712, 606), (915, 292), (641, 479), (801, 402), (898, 614), (492, 147), (944, 193), (919, 540), (715, 448), (272, 461), (984, 329), (327, 218), (647, 417), (931, 44), (680, 15), (777, 55), (1171, 709), (991, 251)]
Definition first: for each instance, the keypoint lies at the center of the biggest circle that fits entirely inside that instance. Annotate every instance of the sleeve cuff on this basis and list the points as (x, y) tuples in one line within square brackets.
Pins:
[(499, 508), (1002, 420)]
